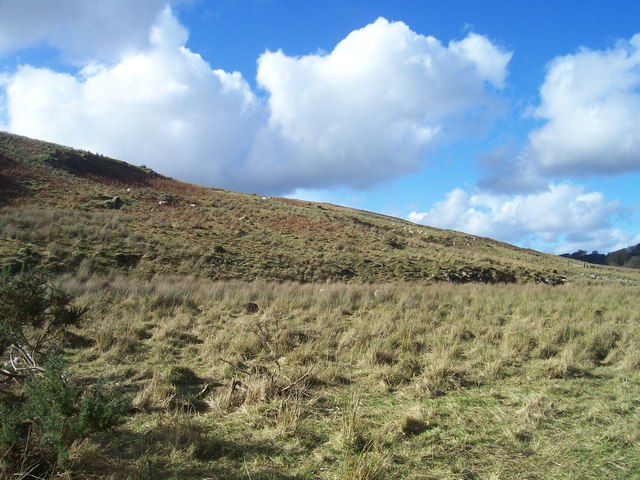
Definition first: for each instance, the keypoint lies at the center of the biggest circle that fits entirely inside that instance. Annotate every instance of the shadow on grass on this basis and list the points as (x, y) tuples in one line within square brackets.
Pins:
[(9, 186), (11, 189), (177, 450)]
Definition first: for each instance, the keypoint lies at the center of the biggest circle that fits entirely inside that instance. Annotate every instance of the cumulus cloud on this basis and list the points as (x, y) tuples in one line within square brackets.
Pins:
[(364, 113), (79, 29), (603, 240), (164, 107), (562, 216), (590, 103), (371, 108)]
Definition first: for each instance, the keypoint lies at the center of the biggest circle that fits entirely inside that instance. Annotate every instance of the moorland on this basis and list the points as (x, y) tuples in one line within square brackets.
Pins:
[(254, 337)]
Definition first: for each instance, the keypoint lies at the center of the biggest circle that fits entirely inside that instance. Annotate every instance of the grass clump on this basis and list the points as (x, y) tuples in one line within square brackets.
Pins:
[(336, 381)]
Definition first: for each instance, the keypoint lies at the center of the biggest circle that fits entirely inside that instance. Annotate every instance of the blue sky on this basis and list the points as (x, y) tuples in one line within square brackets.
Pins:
[(508, 119)]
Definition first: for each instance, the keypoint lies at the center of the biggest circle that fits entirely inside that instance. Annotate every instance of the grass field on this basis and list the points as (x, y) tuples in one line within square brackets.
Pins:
[(270, 338), (263, 380)]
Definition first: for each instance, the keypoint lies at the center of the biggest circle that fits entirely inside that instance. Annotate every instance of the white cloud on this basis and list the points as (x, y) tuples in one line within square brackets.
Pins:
[(602, 240), (362, 114), (164, 107), (80, 29), (488, 61), (447, 213), (371, 108), (562, 215), (590, 102)]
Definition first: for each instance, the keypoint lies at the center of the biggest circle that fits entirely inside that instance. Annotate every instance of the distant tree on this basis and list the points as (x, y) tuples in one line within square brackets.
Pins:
[(633, 262), (618, 258)]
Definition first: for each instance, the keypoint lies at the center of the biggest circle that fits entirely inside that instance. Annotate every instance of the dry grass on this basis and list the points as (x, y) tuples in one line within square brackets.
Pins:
[(265, 380), (381, 364)]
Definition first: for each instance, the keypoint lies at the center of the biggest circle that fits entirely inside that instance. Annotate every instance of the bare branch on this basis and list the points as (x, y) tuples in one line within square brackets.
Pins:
[(289, 387), (234, 366), (9, 374)]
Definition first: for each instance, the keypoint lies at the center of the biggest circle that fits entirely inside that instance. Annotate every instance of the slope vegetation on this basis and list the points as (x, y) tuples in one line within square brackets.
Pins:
[(422, 353), (65, 209)]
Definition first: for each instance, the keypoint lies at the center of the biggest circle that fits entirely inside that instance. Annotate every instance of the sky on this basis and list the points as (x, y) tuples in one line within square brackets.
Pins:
[(510, 119)]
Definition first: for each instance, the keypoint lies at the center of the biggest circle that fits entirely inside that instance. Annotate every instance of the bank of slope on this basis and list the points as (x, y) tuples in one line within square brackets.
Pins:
[(68, 209)]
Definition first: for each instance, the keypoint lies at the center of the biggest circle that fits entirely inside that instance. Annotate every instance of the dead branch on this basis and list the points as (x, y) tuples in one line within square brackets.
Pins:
[(234, 366), (10, 375), (290, 386)]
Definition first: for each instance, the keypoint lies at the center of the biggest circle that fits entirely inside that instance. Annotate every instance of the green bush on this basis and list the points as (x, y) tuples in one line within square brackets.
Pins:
[(100, 409), (49, 407), (53, 413), (10, 425), (33, 315), (43, 411)]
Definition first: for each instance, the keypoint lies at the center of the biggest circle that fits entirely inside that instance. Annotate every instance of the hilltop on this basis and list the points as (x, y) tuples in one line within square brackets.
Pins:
[(625, 257), (67, 209)]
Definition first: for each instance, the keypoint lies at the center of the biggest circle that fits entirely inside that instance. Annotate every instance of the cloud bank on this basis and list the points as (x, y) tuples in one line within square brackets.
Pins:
[(564, 216), (364, 113), (370, 109), (79, 29), (588, 109)]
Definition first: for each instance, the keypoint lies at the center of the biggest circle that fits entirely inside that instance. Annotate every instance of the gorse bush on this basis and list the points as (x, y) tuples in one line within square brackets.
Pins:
[(33, 315), (49, 405), (43, 411), (100, 409), (50, 415)]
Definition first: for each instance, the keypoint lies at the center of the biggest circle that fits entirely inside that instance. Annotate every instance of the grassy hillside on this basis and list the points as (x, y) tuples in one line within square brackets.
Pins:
[(268, 338), (59, 211), (626, 257)]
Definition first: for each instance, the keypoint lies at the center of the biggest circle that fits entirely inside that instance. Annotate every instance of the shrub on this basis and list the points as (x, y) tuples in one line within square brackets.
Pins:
[(42, 410), (53, 413), (100, 409), (33, 315), (49, 408)]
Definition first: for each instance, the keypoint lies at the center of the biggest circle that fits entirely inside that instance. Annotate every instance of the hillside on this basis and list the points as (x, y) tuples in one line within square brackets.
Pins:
[(625, 257), (59, 210), (422, 354)]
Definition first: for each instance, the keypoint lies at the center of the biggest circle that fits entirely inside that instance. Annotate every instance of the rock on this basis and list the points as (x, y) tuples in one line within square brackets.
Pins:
[(114, 203)]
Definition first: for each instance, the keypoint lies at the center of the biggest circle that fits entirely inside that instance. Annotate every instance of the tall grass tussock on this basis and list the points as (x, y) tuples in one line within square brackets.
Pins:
[(286, 380)]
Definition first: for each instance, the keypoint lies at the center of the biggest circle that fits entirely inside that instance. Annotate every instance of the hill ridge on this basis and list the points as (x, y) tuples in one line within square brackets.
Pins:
[(60, 212), (625, 257)]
